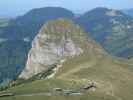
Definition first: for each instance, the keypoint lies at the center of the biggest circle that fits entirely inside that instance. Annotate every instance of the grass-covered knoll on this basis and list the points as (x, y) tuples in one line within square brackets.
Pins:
[(112, 76)]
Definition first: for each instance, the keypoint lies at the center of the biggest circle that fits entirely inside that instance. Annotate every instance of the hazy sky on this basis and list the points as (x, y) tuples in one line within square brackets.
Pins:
[(18, 7)]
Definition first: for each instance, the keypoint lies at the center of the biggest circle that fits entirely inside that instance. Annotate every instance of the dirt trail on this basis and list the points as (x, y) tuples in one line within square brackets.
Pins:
[(35, 94)]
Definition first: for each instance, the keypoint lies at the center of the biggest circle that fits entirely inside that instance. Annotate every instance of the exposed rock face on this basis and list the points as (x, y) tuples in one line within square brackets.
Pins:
[(56, 40)]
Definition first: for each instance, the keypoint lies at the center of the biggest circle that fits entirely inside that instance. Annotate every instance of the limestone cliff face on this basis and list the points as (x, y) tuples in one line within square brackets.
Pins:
[(57, 40)]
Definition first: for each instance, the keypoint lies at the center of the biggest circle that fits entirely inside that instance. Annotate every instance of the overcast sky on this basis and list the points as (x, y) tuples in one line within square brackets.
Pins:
[(18, 7)]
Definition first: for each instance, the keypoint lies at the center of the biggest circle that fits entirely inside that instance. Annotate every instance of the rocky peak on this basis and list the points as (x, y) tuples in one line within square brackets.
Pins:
[(58, 39)]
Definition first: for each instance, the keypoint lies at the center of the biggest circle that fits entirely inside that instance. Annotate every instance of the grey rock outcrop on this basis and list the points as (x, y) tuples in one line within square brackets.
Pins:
[(56, 40)]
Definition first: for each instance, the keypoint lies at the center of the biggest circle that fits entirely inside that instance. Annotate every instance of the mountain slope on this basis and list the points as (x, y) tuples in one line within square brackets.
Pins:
[(29, 24), (57, 40), (111, 28), (4, 22), (12, 59), (19, 32), (111, 77), (128, 12), (104, 25)]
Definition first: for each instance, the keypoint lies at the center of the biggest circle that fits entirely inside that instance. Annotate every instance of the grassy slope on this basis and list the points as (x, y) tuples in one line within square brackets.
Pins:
[(113, 78)]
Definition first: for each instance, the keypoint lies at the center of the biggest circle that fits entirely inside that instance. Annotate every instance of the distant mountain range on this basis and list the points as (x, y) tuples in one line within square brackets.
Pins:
[(111, 28)]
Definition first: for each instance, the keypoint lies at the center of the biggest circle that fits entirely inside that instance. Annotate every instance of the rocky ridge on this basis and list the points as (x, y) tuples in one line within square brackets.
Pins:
[(57, 40)]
